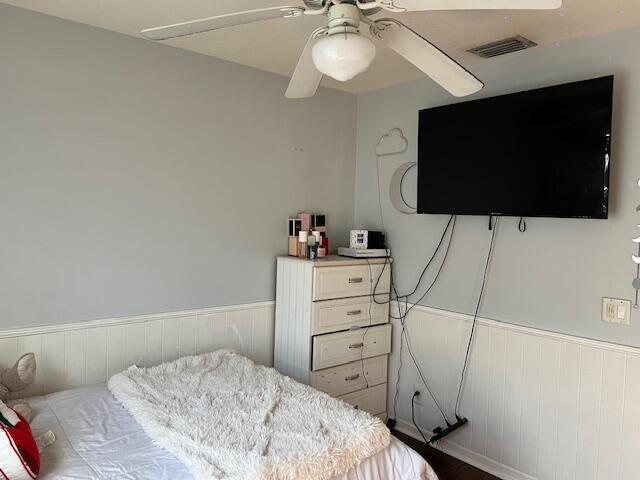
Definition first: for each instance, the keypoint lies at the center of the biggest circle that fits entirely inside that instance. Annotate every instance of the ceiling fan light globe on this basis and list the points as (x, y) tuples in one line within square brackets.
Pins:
[(342, 56)]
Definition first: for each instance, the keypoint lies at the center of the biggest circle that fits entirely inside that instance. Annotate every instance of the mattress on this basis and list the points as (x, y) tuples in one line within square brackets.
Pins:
[(98, 439)]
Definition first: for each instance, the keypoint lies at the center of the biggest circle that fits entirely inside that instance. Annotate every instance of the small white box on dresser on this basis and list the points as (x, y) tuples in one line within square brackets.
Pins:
[(329, 331)]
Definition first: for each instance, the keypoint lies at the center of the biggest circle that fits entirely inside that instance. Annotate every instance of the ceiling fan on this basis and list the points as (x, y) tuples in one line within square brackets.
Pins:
[(341, 51)]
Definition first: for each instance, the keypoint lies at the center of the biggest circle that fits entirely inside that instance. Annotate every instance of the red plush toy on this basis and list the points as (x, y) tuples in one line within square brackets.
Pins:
[(19, 456)]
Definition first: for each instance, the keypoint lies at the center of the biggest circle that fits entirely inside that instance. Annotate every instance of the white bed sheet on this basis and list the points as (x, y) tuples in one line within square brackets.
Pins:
[(98, 439)]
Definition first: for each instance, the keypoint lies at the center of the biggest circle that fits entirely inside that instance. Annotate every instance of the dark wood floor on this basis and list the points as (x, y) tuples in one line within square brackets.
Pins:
[(445, 466)]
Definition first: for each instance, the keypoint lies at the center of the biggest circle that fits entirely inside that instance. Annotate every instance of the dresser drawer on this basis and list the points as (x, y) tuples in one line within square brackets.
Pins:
[(351, 377), (337, 348), (333, 315), (349, 281), (372, 399)]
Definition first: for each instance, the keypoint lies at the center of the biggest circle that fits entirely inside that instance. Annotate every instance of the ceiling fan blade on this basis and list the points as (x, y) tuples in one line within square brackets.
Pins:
[(221, 21), (306, 77), (452, 76), (417, 5)]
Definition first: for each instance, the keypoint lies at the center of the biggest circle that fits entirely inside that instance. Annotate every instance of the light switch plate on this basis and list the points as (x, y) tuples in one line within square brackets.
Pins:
[(615, 310)]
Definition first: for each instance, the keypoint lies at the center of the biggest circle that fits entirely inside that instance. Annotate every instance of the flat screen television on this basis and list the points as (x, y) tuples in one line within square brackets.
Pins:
[(539, 153)]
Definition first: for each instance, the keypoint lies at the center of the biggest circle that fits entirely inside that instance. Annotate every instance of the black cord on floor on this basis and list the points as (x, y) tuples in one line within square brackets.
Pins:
[(475, 315)]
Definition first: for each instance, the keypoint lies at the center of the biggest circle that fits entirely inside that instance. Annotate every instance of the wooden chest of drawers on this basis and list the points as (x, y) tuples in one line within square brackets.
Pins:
[(330, 333)]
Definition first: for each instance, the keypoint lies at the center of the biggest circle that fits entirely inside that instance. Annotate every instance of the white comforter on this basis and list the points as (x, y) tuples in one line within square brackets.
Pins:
[(98, 439)]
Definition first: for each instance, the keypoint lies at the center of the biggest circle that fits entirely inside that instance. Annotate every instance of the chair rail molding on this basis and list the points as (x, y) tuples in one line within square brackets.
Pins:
[(75, 354)]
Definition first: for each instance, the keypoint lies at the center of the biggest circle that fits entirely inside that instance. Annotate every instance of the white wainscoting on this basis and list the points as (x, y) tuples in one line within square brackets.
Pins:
[(84, 353), (541, 405)]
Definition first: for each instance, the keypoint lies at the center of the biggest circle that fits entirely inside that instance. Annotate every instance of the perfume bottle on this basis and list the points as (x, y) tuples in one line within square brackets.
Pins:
[(303, 238)]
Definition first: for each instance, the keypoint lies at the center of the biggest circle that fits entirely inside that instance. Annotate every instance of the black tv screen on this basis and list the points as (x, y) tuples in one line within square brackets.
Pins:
[(539, 153)]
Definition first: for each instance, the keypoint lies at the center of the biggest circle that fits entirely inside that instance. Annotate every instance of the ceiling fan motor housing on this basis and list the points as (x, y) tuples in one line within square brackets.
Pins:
[(343, 17)]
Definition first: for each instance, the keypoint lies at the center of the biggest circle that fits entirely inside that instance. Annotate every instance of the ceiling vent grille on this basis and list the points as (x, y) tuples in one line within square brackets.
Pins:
[(502, 47)]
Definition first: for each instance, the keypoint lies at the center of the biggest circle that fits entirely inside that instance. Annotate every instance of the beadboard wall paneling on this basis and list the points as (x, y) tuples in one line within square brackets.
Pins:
[(77, 354), (541, 405)]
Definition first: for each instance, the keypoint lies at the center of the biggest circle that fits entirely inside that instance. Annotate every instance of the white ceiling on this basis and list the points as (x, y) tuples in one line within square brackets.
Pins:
[(275, 45)]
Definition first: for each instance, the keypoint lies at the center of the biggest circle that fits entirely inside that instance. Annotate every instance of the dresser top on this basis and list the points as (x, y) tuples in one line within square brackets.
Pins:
[(335, 260)]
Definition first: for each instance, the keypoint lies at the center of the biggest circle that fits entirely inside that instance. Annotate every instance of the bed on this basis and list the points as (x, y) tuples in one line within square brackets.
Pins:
[(98, 439)]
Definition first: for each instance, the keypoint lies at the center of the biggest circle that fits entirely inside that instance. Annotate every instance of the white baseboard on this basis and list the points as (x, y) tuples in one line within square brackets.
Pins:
[(472, 458)]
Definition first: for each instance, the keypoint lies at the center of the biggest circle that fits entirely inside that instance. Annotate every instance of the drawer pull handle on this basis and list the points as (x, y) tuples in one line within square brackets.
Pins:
[(354, 312), (352, 377), (355, 280), (356, 345)]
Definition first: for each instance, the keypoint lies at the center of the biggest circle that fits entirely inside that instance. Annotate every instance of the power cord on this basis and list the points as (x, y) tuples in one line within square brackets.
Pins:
[(404, 338), (402, 315), (452, 219), (419, 369), (437, 275), (475, 315), (413, 416), (402, 335)]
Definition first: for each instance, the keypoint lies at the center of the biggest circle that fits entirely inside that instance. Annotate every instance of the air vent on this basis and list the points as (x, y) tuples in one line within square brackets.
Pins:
[(502, 47)]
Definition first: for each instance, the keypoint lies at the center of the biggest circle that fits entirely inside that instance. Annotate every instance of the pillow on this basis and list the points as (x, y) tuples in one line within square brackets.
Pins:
[(19, 457)]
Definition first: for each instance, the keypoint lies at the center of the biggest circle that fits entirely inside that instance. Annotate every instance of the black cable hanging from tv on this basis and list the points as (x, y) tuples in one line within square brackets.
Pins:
[(475, 317)]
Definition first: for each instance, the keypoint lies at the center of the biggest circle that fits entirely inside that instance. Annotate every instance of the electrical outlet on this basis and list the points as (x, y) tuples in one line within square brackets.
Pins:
[(418, 387), (615, 310)]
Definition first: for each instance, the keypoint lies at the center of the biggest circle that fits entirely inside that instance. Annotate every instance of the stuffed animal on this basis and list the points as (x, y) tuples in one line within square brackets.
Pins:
[(17, 378), (19, 452)]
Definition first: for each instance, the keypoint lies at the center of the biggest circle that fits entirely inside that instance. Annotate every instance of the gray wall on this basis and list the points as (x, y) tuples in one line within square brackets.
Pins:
[(553, 276), (136, 177)]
